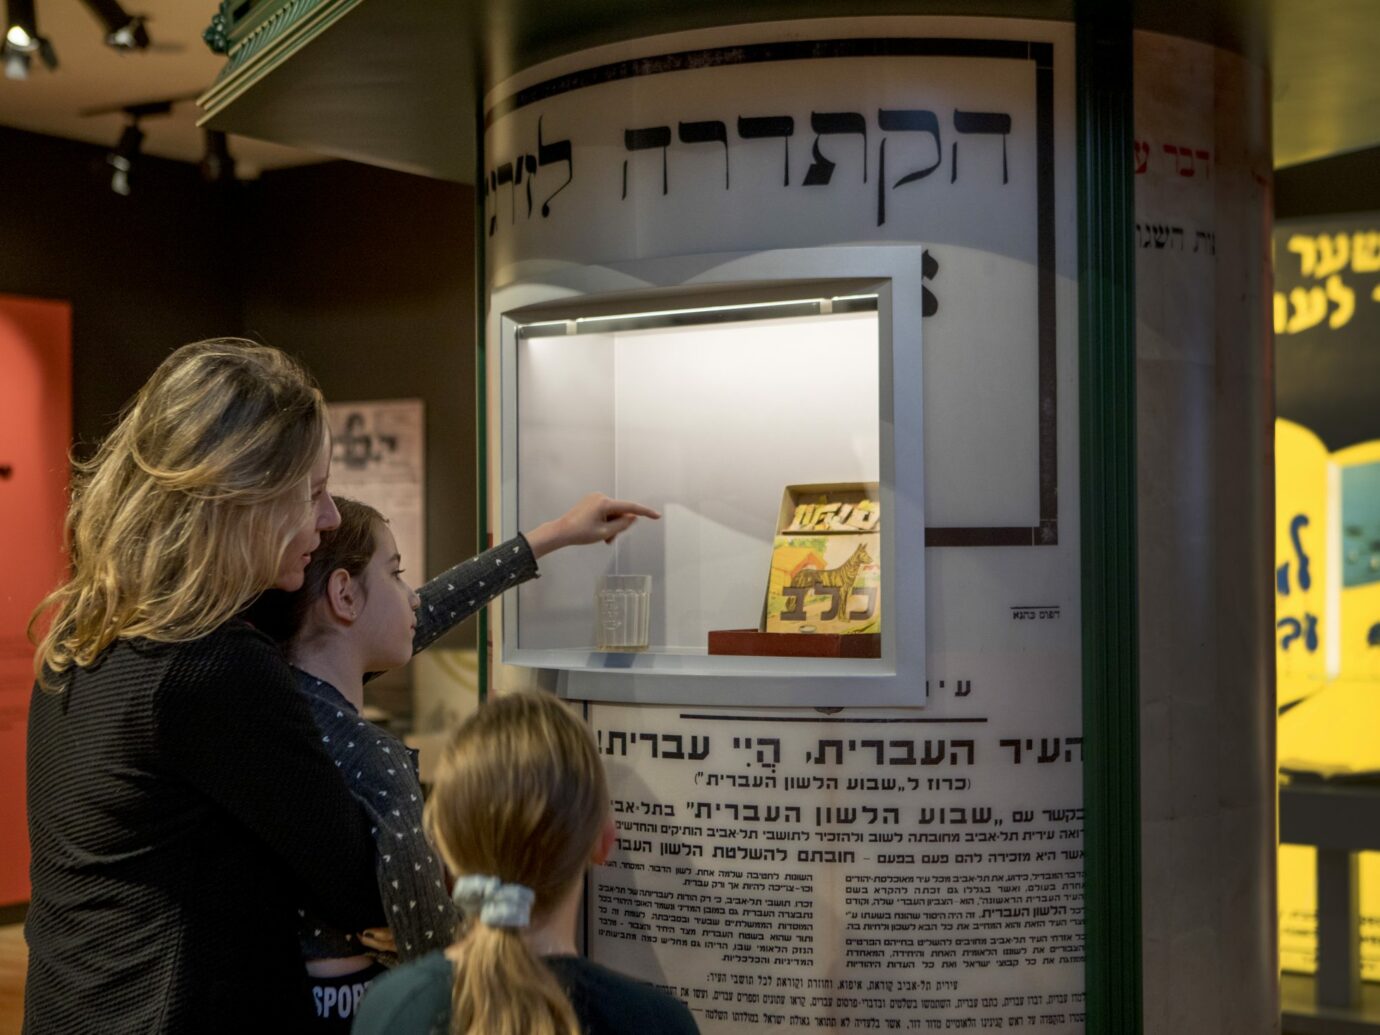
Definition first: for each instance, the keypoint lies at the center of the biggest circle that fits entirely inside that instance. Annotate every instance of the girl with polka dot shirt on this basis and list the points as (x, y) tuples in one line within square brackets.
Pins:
[(356, 615)]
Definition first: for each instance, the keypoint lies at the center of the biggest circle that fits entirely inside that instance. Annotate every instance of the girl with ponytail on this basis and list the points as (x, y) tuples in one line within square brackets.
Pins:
[(520, 809)]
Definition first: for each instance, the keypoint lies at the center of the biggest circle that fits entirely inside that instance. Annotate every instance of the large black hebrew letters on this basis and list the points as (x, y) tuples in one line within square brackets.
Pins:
[(521, 171), (826, 123), (922, 151), (706, 133), (905, 122), (552, 154), (503, 174), (929, 304), (757, 128), (648, 139), (981, 122)]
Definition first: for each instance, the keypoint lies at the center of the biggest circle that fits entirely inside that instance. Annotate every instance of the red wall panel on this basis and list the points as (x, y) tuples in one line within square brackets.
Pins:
[(35, 433)]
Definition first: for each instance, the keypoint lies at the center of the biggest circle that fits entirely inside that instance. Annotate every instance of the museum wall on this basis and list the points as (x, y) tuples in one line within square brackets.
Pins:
[(352, 268), (356, 270), (143, 273)]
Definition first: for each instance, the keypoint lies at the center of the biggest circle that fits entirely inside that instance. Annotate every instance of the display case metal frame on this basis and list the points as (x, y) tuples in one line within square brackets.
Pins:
[(890, 273)]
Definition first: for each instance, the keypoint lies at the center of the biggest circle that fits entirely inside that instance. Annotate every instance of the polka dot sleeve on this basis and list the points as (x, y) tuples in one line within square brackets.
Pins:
[(456, 594)]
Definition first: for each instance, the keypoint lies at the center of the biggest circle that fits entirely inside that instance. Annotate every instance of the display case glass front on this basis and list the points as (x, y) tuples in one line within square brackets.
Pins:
[(759, 421)]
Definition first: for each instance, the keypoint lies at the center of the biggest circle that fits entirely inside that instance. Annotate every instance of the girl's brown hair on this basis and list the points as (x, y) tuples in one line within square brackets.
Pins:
[(349, 547), (181, 517), (520, 794)]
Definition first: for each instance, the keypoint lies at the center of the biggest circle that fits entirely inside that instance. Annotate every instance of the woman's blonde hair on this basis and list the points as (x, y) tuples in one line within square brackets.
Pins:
[(520, 795), (180, 519)]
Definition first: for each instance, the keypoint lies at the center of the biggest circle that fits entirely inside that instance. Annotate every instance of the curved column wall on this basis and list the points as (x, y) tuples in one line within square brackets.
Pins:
[(1205, 406), (673, 161)]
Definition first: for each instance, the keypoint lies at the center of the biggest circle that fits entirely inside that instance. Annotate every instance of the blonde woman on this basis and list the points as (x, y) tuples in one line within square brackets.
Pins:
[(181, 805), (179, 801), (519, 811)]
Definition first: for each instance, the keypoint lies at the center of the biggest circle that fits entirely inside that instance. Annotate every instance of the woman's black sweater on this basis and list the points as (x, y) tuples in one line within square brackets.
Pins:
[(181, 810)]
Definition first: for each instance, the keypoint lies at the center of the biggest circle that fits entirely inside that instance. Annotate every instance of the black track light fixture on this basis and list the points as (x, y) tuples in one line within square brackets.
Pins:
[(16, 62), (130, 36), (217, 164), (22, 40), (123, 31), (21, 27), (122, 158), (126, 152)]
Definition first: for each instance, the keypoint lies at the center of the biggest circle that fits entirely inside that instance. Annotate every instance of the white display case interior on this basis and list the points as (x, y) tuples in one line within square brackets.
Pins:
[(705, 402), (706, 422)]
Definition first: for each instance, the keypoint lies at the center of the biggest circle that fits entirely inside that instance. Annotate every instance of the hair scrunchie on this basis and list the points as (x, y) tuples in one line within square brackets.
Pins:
[(493, 902)]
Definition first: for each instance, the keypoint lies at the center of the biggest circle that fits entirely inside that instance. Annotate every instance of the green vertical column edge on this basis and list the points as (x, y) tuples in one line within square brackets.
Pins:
[(1107, 454), (481, 388)]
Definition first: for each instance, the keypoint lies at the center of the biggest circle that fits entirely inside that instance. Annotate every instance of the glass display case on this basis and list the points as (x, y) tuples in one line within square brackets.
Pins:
[(708, 401)]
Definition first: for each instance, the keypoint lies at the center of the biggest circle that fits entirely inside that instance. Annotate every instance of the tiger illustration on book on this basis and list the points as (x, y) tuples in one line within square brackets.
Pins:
[(841, 578)]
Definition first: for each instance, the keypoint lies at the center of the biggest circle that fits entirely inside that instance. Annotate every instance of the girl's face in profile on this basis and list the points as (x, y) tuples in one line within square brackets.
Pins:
[(386, 623)]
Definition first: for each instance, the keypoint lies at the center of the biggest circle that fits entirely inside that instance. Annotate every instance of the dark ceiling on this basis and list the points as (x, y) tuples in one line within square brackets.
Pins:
[(398, 82)]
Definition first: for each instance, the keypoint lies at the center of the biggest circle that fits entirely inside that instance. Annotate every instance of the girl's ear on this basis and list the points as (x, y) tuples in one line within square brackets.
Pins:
[(603, 847), (343, 596)]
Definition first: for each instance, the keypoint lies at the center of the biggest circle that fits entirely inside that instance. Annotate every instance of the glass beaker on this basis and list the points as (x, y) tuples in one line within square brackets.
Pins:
[(622, 612)]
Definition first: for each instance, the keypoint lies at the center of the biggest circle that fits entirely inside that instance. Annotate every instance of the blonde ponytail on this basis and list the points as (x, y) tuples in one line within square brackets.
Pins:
[(501, 988), (520, 795)]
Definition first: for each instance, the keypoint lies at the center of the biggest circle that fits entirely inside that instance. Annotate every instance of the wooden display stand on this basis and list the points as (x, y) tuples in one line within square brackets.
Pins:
[(795, 645)]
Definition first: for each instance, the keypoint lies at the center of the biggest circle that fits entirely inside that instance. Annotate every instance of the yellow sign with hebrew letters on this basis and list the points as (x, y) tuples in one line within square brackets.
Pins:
[(1301, 561), (1327, 654)]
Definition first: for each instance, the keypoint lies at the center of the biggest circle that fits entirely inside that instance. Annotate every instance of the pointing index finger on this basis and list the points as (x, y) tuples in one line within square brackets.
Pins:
[(619, 508)]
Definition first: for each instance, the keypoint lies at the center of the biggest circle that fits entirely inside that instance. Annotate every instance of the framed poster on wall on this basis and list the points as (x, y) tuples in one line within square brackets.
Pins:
[(379, 457)]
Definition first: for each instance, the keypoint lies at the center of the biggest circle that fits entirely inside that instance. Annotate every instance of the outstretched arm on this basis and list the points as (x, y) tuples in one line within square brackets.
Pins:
[(595, 519), (456, 594)]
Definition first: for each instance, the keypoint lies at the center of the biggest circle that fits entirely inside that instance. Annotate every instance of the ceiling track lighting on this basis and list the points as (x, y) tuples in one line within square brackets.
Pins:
[(20, 25), (22, 41), (130, 36), (217, 164), (122, 159), (123, 31)]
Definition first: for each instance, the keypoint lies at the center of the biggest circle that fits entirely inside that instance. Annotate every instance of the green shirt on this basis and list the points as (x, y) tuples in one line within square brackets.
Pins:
[(415, 1000)]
